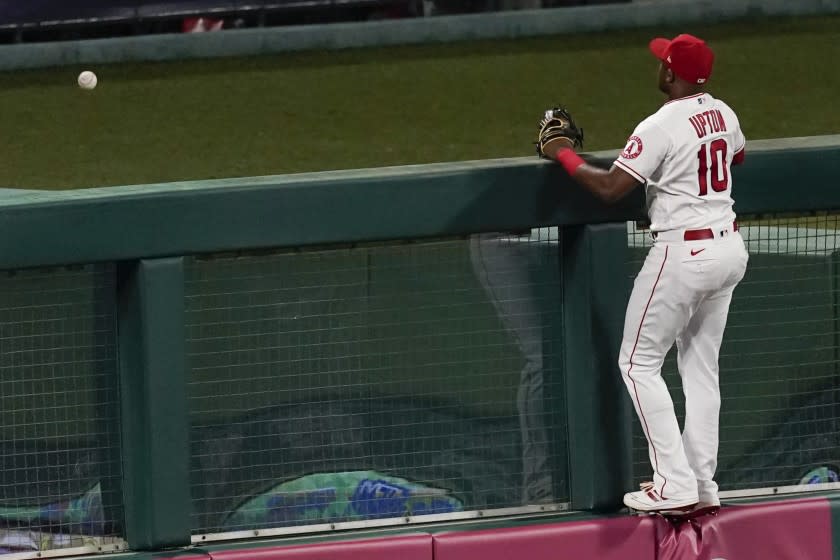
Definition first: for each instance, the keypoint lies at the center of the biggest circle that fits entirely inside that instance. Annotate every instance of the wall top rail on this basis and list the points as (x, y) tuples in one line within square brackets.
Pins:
[(43, 228)]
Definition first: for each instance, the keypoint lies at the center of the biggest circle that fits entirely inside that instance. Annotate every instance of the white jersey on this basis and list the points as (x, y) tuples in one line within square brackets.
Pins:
[(682, 154)]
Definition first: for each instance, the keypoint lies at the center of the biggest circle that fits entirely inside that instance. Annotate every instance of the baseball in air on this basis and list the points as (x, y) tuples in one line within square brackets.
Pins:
[(87, 80)]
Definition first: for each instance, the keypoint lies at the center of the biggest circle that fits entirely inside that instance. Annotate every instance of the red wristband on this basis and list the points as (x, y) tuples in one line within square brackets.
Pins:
[(569, 160)]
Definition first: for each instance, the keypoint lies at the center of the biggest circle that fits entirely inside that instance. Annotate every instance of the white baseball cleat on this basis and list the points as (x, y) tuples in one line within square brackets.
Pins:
[(709, 502), (704, 508), (649, 499)]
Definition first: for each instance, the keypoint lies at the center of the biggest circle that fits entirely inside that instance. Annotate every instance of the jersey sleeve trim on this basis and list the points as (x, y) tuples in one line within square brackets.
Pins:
[(624, 167)]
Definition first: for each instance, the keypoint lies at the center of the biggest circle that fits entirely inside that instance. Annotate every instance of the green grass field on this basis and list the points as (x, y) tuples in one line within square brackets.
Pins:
[(365, 108)]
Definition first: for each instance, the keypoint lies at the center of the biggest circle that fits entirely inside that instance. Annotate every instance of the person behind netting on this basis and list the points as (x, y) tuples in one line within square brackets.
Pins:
[(503, 264)]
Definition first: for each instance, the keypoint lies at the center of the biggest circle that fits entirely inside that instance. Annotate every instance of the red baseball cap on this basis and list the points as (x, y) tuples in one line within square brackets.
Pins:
[(687, 56)]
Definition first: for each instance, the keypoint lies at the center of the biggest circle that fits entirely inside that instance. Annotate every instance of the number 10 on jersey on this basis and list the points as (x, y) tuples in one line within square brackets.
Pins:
[(712, 167)]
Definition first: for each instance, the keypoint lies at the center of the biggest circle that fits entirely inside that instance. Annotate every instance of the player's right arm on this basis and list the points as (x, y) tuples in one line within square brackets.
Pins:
[(645, 151), (610, 186)]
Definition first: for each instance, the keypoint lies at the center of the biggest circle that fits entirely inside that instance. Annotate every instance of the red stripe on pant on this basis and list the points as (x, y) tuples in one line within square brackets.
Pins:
[(633, 353)]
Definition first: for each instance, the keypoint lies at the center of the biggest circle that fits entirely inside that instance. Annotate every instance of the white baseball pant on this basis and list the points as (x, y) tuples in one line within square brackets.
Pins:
[(681, 295)]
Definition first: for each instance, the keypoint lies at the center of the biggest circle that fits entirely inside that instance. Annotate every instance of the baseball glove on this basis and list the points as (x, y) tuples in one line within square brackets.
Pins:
[(557, 123)]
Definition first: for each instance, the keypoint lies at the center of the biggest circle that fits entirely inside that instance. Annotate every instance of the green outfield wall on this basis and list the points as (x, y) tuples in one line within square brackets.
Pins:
[(220, 360)]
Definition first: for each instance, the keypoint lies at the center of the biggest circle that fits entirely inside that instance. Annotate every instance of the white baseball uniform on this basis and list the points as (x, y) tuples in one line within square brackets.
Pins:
[(682, 154)]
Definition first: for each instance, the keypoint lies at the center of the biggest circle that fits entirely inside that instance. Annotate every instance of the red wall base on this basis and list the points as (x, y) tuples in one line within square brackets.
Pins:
[(790, 530), (785, 530), (612, 539), (405, 547)]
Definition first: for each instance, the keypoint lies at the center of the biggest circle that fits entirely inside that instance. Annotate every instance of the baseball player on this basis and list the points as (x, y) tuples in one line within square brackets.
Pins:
[(682, 156)]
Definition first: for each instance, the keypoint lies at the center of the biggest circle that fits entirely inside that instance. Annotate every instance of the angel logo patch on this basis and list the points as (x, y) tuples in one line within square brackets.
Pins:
[(633, 148)]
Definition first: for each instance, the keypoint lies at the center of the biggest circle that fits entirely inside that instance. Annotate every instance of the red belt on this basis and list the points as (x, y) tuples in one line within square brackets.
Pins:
[(698, 234)]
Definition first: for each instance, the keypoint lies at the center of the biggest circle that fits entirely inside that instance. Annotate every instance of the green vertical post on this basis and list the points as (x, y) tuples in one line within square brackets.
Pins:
[(594, 282), (150, 296)]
